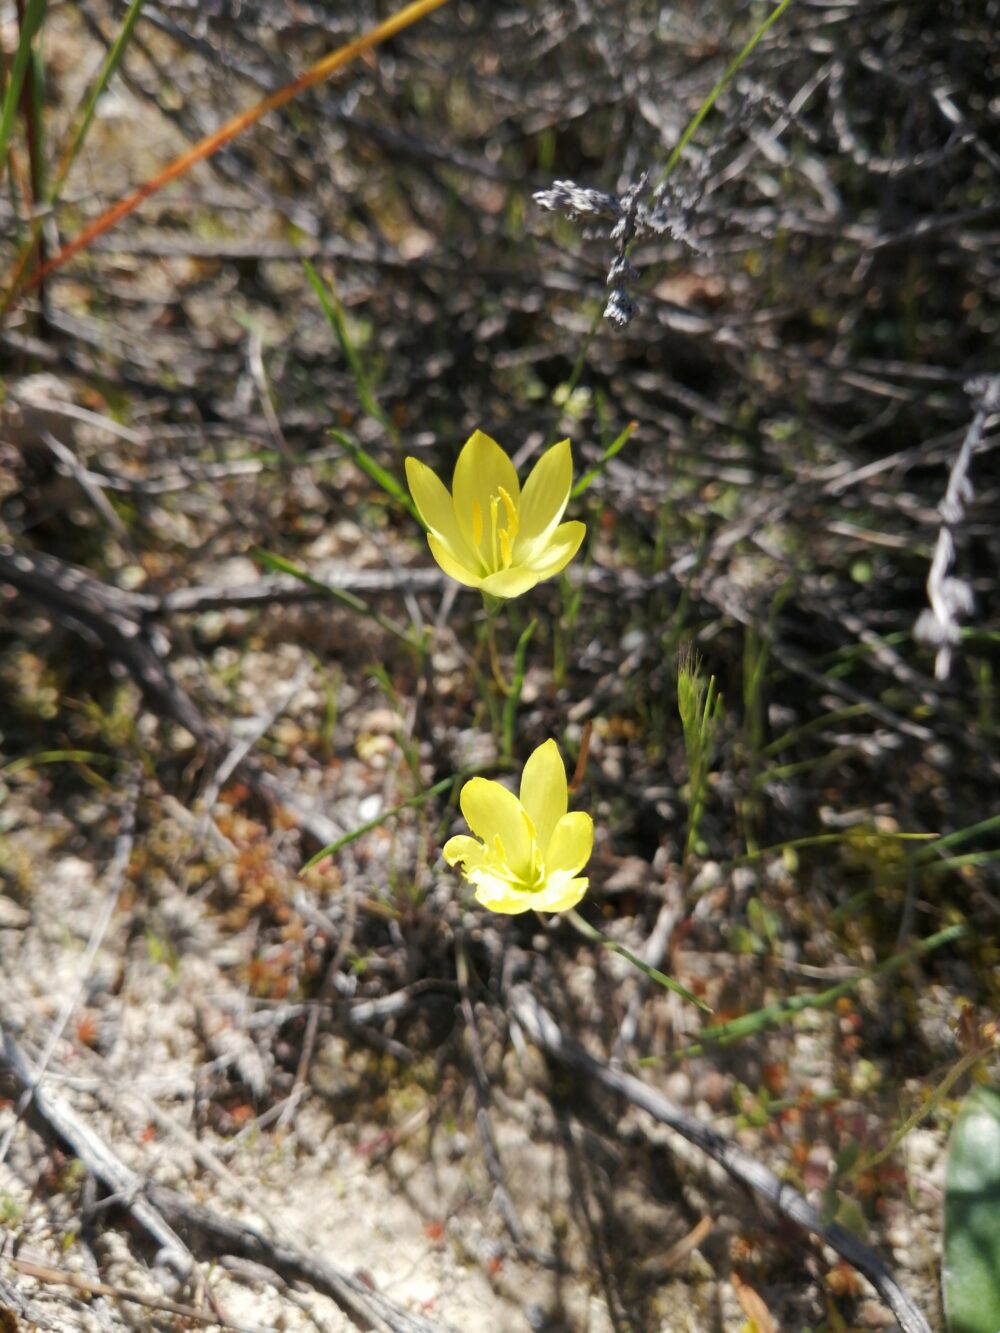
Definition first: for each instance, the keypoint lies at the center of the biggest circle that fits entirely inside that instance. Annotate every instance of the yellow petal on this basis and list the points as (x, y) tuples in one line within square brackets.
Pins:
[(509, 582), (451, 564), (434, 504), (462, 848), (570, 845), (546, 494), (543, 791), (562, 547), (482, 469), (496, 894), (494, 812), (561, 892)]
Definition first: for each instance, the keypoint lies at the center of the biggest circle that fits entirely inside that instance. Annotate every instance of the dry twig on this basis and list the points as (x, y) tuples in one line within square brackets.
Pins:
[(541, 1028)]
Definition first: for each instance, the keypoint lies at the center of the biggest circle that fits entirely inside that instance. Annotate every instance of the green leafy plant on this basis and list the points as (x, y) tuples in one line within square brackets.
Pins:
[(971, 1274), (700, 708)]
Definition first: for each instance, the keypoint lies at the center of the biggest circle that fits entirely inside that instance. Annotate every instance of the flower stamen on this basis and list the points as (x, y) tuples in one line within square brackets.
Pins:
[(494, 510)]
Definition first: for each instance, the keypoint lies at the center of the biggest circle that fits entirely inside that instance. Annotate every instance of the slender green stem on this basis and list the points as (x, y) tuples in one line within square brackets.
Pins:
[(514, 693), (749, 1024), (719, 89), (284, 566), (111, 62), (445, 785), (592, 933), (929, 1104), (579, 364), (32, 21), (503, 684)]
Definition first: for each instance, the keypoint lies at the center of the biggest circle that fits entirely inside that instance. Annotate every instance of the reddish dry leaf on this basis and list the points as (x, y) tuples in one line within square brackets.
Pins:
[(752, 1305)]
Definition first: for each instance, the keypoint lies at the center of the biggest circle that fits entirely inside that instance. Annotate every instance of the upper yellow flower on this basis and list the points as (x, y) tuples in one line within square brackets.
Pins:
[(527, 853), (488, 534)]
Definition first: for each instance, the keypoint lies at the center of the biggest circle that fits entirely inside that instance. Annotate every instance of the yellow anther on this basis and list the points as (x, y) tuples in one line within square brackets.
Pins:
[(508, 504), (477, 521), (494, 508), (537, 864), (505, 551)]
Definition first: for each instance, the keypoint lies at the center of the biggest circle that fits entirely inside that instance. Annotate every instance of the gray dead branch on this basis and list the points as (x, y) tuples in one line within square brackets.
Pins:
[(115, 621), (61, 1119), (541, 1028), (165, 1215), (15, 1303), (950, 596)]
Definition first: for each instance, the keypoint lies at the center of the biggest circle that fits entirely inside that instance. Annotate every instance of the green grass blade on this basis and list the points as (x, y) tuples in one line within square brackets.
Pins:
[(111, 62), (55, 757), (723, 83), (445, 785), (748, 1025), (654, 974), (36, 112), (379, 475), (337, 319), (615, 447), (280, 565), (871, 835), (700, 709), (33, 16), (961, 835)]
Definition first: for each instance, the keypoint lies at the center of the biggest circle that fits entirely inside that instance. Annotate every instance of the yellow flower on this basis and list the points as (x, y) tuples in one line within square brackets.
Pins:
[(527, 852), (488, 533)]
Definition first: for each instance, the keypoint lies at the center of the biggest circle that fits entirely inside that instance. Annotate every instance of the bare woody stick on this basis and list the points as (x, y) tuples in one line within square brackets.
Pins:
[(541, 1028)]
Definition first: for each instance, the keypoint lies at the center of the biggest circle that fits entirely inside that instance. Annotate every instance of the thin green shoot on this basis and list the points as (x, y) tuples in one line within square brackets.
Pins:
[(34, 14), (748, 1025), (110, 64), (409, 751), (867, 1162), (337, 319), (961, 835), (36, 126), (282, 566), (578, 365), (378, 474), (731, 71), (829, 719), (968, 860), (826, 840), (615, 447), (15, 766), (781, 772), (346, 839), (565, 625), (700, 708), (47, 196), (592, 933), (331, 683)]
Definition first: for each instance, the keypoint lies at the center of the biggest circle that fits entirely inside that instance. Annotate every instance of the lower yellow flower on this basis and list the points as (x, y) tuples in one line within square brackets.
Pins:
[(527, 852)]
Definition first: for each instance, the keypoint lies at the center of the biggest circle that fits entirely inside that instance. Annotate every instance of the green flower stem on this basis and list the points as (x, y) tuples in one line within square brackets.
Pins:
[(514, 693), (748, 1025), (503, 684), (592, 933)]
